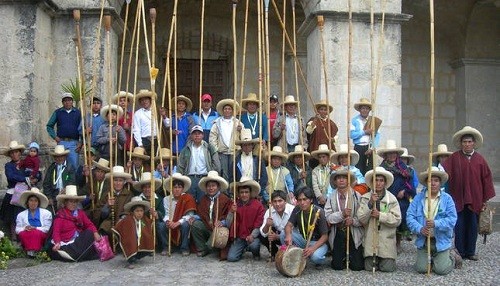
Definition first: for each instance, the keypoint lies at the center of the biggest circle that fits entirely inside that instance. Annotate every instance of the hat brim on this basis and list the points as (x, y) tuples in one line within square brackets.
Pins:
[(62, 197), (437, 154), (341, 172), (410, 158), (189, 103), (44, 202), (128, 95), (184, 179), (19, 147), (128, 206), (254, 187), (389, 178), (318, 105), (118, 175), (157, 158), (221, 104), (203, 182), (354, 156), (382, 151), (478, 137), (138, 185), (148, 94), (66, 152), (278, 154), (316, 153), (246, 101), (101, 167), (357, 105), (422, 177), (105, 110), (144, 157), (307, 155), (241, 142)]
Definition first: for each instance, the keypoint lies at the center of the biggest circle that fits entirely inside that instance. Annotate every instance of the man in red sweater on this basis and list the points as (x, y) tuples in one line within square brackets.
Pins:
[(249, 216)]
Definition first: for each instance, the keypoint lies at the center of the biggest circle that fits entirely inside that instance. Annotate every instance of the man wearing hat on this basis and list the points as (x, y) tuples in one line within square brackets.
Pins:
[(206, 116), (143, 118), (279, 176), (249, 216), (274, 221), (361, 133), (298, 165), (317, 128), (138, 164), (162, 170), (379, 212), (289, 129), (96, 200), (247, 164), (213, 211), (251, 120), (321, 173), (180, 209), (144, 186), (274, 116), (118, 136), (59, 174), (471, 186), (438, 158), (436, 220), (68, 122), (115, 204), (341, 212), (196, 160), (182, 122), (225, 131), (94, 120)]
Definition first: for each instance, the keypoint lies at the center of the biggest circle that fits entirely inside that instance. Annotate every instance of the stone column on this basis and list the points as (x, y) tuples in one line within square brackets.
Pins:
[(336, 40)]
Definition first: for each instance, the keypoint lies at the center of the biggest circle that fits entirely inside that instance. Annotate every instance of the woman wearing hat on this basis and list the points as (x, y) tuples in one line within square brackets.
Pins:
[(249, 216), (402, 187), (73, 234), (118, 136), (33, 224), (379, 212), (183, 206), (408, 159), (438, 223), (14, 176), (182, 122), (135, 232)]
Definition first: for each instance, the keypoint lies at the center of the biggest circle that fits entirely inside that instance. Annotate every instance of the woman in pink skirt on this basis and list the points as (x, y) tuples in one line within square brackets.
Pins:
[(33, 223)]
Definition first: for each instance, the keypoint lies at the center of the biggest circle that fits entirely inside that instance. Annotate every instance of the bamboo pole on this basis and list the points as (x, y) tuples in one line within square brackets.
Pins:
[(154, 127), (431, 133), (124, 37), (244, 53), (321, 24), (235, 91), (97, 53), (283, 51), (259, 51), (202, 29), (373, 90)]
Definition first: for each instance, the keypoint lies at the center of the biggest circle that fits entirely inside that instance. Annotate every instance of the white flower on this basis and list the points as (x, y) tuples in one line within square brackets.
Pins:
[(1, 234)]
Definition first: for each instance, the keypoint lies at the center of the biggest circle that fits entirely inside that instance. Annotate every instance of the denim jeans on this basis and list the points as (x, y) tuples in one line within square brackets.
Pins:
[(318, 257), (184, 229), (239, 246), (73, 156)]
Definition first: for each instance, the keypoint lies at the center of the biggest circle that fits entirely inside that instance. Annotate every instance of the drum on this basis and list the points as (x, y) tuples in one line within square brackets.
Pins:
[(361, 188), (219, 237), (290, 262)]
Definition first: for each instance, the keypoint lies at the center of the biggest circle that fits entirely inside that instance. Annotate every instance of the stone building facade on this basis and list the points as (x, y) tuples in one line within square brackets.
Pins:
[(39, 55)]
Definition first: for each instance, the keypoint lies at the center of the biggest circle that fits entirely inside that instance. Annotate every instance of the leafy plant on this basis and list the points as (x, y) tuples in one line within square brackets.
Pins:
[(8, 251), (74, 88)]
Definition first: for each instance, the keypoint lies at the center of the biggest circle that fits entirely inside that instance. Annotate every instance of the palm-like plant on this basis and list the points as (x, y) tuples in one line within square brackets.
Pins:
[(74, 88)]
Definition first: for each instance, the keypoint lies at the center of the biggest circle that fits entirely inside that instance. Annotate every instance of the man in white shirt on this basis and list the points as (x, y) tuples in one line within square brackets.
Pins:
[(275, 220), (142, 120)]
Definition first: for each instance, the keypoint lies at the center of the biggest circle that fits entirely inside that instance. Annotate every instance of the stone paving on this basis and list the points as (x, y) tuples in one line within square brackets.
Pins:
[(178, 270)]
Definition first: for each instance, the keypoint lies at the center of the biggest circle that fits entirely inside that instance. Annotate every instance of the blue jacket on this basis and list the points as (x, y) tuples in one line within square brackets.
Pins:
[(184, 125), (207, 125), (357, 132), (444, 221), (95, 122)]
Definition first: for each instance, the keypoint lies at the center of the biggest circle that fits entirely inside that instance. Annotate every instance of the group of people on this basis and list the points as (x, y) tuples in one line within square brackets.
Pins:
[(302, 191)]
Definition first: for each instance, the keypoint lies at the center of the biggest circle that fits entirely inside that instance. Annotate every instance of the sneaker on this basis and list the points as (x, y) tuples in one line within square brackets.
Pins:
[(457, 258), (472, 257)]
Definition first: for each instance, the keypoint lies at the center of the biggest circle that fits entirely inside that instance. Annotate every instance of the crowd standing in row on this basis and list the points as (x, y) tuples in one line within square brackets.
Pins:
[(318, 198)]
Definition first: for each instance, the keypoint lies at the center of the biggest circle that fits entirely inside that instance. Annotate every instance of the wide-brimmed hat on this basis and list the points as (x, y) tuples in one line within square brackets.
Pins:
[(405, 155), (145, 180), (165, 154), (247, 182), (390, 146), (139, 152), (341, 172), (379, 171), (189, 103), (343, 150), (422, 177), (145, 93), (442, 149), (278, 152), (251, 97), (298, 151), (221, 104), (289, 99), (136, 201), (212, 176), (323, 103), (117, 96), (177, 176), (362, 102), (478, 137), (102, 164), (14, 145), (69, 193), (246, 137), (115, 108), (59, 150), (118, 172), (44, 202), (322, 149)]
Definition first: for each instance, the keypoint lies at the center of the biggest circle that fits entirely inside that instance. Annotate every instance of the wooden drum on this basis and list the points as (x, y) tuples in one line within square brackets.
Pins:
[(219, 237), (290, 262)]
